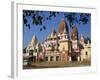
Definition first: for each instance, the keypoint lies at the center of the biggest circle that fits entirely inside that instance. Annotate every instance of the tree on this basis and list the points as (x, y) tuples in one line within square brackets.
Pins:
[(38, 17), (87, 39)]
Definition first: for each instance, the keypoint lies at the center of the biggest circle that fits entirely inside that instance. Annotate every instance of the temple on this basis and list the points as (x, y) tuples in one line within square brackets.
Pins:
[(59, 46)]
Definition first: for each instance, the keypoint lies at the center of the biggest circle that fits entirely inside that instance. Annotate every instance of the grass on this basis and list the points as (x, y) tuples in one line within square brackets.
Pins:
[(56, 64)]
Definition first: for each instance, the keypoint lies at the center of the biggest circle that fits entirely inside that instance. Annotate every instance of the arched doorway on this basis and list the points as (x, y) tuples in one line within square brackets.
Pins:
[(74, 56)]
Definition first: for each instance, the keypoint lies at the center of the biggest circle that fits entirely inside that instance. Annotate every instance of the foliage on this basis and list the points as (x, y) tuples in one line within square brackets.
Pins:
[(39, 17), (87, 39)]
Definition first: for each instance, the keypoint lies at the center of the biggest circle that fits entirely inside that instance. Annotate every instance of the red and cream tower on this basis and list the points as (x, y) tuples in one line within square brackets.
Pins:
[(75, 54), (63, 40)]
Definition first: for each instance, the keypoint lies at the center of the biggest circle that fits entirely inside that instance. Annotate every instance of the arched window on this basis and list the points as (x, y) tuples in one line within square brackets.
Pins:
[(31, 52), (51, 58), (86, 53), (46, 58)]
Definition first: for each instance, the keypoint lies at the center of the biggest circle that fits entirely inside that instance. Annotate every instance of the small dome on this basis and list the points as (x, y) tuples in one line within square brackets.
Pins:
[(74, 34), (34, 41), (82, 38), (63, 26), (54, 32)]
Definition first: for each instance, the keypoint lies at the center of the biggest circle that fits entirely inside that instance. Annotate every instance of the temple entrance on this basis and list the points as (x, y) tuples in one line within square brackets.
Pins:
[(51, 58), (74, 56)]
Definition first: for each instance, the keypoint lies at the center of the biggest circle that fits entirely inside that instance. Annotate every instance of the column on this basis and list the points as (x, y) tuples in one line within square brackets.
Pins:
[(70, 59), (54, 58), (78, 58), (48, 58)]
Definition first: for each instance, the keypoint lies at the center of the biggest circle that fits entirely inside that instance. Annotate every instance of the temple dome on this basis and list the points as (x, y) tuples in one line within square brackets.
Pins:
[(63, 26), (54, 32), (82, 38), (34, 41)]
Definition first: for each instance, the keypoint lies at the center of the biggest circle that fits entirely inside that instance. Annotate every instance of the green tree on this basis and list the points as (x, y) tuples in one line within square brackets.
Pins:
[(38, 17)]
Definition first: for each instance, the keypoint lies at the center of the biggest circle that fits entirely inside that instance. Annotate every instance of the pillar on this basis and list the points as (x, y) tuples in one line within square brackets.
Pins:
[(54, 58), (78, 58), (70, 59), (48, 58)]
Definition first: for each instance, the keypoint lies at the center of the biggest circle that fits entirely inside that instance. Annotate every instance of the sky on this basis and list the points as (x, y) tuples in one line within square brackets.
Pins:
[(84, 29)]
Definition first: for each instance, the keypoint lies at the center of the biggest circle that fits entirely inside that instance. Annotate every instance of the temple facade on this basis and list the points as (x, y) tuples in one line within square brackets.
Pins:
[(60, 46)]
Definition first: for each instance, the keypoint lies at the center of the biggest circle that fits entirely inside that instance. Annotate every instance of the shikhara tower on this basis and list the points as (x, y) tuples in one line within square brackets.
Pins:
[(75, 55), (60, 46), (63, 36)]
